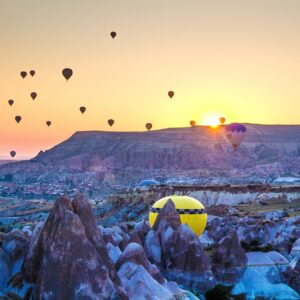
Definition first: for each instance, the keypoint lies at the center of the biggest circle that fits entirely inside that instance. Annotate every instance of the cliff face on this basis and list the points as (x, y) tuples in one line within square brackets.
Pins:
[(267, 149)]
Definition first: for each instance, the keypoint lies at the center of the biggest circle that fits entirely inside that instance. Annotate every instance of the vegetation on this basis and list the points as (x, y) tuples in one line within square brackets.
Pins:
[(221, 292)]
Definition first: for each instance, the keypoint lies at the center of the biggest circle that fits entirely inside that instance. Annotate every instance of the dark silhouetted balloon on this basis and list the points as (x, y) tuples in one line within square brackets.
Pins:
[(32, 73), (236, 133), (222, 120), (48, 123), (148, 126), (67, 73), (13, 153), (33, 95), (193, 123), (23, 74), (171, 94), (110, 122), (82, 109), (11, 102), (18, 119), (113, 34)]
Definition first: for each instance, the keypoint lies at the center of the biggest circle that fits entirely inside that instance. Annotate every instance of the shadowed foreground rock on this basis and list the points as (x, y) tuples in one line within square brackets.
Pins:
[(68, 258), (178, 252), (229, 260)]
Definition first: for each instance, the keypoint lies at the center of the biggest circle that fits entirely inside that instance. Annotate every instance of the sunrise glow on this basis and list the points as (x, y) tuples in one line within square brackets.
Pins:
[(211, 120)]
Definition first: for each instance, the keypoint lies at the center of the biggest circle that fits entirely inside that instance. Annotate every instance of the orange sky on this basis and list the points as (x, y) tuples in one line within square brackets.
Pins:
[(238, 59)]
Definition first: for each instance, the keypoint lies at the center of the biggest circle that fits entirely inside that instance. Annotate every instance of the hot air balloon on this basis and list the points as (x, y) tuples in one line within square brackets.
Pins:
[(48, 123), (190, 210), (32, 73), (222, 120), (10, 102), (193, 123), (67, 73), (33, 95), (18, 119), (82, 109), (236, 133), (110, 122), (13, 153), (171, 94), (148, 126), (113, 34), (23, 74)]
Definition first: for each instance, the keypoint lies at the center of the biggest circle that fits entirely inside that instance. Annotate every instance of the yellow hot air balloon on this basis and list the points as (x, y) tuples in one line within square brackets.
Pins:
[(191, 212)]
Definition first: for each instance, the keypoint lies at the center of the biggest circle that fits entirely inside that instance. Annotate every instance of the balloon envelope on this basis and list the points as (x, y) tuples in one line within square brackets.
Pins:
[(190, 210), (82, 109), (32, 73), (48, 123), (10, 102), (113, 34), (235, 133), (18, 119), (171, 94), (23, 74), (67, 73), (148, 126), (110, 122), (222, 120), (33, 95), (193, 123), (13, 153)]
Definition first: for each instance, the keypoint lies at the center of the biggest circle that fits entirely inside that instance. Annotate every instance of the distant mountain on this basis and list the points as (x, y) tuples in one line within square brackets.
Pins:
[(268, 151), (5, 161)]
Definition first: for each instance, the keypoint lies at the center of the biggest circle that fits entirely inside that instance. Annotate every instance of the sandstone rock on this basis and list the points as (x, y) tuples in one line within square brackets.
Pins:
[(229, 260), (294, 277), (143, 280), (152, 247), (182, 257), (142, 228), (135, 253), (84, 210), (4, 269), (69, 260), (139, 284), (114, 252), (12, 252), (262, 280)]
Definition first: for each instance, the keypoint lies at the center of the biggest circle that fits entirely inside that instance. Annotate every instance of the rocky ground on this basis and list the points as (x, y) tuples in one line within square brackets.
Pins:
[(84, 251)]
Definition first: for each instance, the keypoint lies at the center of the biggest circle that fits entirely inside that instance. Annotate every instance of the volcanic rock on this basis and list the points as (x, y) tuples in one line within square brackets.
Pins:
[(182, 257), (69, 259), (229, 260)]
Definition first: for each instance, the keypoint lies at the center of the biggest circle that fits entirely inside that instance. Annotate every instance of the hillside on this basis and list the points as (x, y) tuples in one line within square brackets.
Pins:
[(199, 152)]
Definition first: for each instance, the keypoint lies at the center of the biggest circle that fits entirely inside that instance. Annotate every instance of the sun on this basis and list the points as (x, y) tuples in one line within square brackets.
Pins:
[(211, 120)]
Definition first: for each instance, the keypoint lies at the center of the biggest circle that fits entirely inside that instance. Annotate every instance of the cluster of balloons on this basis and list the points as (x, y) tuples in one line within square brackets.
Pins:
[(235, 133), (24, 73)]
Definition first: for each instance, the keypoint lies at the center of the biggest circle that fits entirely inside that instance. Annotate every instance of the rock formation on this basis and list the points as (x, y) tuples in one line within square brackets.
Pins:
[(229, 260), (68, 259), (178, 251)]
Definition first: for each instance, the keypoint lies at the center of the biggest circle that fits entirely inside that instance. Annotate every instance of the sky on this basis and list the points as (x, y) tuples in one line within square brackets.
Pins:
[(231, 58)]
